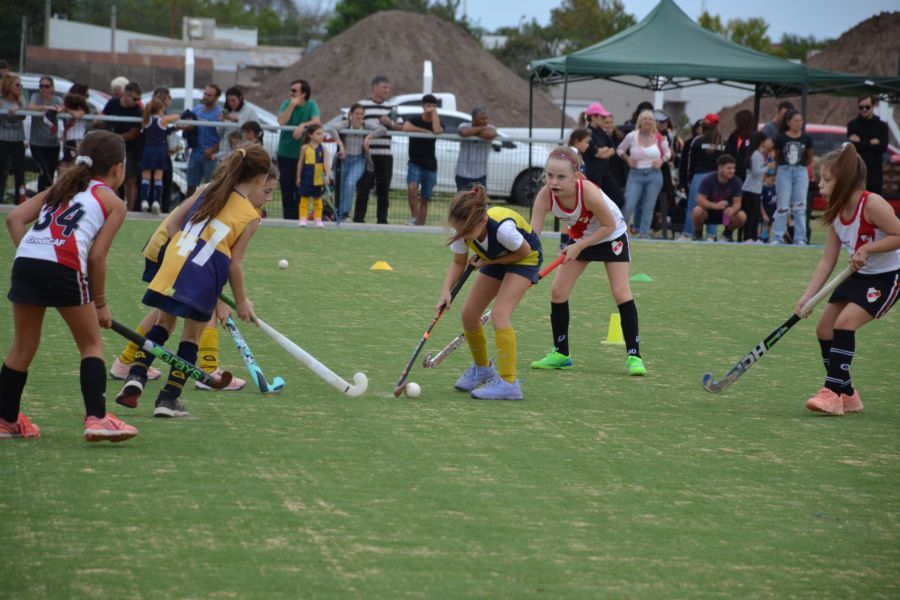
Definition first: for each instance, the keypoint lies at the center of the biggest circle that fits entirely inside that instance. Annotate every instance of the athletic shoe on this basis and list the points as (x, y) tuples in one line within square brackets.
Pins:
[(120, 370), (826, 401), (553, 360), (475, 376), (728, 234), (169, 408), (499, 389), (684, 238), (635, 366), (145, 206), (852, 404), (236, 383), (319, 223), (110, 428), (131, 391), (303, 222), (155, 207), (22, 428)]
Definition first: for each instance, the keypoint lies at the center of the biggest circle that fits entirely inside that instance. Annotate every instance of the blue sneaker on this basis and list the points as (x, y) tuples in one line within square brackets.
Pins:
[(475, 376), (499, 389)]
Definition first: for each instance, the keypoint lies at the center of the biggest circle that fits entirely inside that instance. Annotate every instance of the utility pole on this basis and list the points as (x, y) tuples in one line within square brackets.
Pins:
[(47, 15), (22, 43), (112, 32)]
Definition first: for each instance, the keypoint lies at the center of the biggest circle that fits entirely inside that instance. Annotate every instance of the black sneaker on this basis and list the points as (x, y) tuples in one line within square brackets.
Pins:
[(728, 234), (169, 408), (131, 391)]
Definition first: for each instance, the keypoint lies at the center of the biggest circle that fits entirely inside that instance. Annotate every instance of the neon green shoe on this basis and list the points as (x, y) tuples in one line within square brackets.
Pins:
[(635, 366), (553, 360)]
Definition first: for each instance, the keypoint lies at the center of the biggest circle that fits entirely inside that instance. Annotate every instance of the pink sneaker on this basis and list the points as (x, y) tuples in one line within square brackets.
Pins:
[(852, 404), (22, 428), (236, 383), (827, 402), (119, 370), (319, 223), (109, 428), (303, 222)]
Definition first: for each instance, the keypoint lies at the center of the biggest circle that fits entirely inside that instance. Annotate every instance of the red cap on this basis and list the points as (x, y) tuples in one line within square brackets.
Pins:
[(711, 119)]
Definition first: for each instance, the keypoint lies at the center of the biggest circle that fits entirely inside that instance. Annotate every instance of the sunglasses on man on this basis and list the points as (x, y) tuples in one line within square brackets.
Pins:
[(865, 107)]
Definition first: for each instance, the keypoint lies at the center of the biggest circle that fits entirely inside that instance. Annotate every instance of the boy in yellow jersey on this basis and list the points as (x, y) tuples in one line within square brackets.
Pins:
[(508, 255)]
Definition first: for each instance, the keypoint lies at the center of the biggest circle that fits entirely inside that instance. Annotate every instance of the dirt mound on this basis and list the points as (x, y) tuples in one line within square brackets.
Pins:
[(394, 43), (871, 48)]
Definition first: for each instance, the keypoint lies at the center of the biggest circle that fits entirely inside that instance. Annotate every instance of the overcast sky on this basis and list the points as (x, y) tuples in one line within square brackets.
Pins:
[(821, 18)]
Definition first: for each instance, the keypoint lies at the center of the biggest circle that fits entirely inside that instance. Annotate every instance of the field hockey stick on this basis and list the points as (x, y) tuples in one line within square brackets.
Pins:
[(752, 357), (430, 362), (329, 200), (401, 385), (360, 381), (253, 367), (173, 360)]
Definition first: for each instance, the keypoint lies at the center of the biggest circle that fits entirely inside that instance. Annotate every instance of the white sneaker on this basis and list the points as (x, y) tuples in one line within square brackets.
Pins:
[(683, 238), (145, 206), (236, 383), (302, 222), (319, 223), (154, 208), (119, 370)]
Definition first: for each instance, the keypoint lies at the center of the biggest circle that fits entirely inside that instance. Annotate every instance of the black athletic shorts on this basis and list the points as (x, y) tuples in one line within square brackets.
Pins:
[(876, 294), (45, 283), (617, 250)]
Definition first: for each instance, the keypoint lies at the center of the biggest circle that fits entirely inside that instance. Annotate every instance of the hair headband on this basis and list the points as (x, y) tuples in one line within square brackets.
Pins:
[(84, 160), (242, 152), (564, 156)]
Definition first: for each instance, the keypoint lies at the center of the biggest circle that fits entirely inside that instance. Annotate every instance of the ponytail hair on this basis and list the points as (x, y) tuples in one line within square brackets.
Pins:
[(848, 170), (578, 134), (467, 211), (246, 163), (582, 119), (98, 153), (756, 140), (567, 154), (154, 106)]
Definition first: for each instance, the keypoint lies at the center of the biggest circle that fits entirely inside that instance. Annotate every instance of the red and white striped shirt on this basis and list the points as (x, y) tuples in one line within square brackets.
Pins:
[(580, 220), (857, 231), (64, 235)]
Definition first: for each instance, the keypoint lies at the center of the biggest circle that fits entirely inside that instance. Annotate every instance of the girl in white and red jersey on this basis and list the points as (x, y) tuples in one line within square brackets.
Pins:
[(597, 233), (865, 224), (61, 262)]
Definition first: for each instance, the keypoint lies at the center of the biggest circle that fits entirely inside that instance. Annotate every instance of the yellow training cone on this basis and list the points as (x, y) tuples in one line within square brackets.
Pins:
[(614, 335), (381, 265)]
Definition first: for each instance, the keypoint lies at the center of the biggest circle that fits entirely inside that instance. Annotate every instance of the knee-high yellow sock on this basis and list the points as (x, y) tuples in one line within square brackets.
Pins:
[(478, 346), (317, 208), (506, 353), (209, 350), (127, 355), (304, 207)]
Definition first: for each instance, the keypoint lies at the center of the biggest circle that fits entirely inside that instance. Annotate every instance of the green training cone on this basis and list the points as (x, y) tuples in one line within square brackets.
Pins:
[(641, 278)]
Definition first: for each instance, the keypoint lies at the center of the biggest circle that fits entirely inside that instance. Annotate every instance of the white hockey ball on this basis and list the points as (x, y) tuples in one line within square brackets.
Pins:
[(283, 264), (413, 389)]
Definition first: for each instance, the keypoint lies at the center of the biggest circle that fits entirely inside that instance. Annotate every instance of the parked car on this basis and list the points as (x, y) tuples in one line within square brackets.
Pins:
[(509, 174), (264, 117)]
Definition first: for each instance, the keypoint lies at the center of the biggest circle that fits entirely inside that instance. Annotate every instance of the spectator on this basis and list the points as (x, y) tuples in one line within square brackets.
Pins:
[(128, 105), (471, 167), (751, 192), (155, 154), (44, 141), (202, 161), (702, 159), (4, 69), (235, 111), (738, 143), (377, 113), (352, 148), (12, 135), (300, 112), (870, 136), (74, 128), (600, 151), (580, 140), (617, 167), (421, 175), (252, 133), (793, 152), (117, 87), (313, 173), (719, 199), (667, 195), (628, 126), (773, 127), (645, 150), (173, 145)]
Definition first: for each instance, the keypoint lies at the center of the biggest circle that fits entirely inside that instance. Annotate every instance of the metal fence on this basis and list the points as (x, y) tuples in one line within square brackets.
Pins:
[(514, 173)]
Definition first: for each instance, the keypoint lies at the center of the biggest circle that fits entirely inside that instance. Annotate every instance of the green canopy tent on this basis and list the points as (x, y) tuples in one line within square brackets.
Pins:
[(672, 51)]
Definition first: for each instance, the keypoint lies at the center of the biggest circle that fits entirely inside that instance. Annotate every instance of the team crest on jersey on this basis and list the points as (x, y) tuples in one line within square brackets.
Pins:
[(872, 295), (617, 247)]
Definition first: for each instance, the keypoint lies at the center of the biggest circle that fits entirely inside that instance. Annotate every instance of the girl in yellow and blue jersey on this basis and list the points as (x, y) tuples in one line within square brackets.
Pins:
[(313, 173), (507, 253), (208, 241)]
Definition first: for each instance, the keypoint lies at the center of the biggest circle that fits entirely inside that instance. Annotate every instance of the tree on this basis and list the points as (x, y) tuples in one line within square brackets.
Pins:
[(798, 47), (583, 23), (524, 43), (712, 23), (750, 33), (349, 12)]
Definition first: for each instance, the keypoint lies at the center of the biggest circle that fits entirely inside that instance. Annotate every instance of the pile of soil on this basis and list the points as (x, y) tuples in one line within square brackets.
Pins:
[(394, 43), (870, 48)]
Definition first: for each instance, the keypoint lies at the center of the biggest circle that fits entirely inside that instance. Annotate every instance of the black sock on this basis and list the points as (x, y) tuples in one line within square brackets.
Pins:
[(175, 383), (843, 345), (12, 383), (93, 386), (629, 316), (143, 359), (825, 346), (559, 321)]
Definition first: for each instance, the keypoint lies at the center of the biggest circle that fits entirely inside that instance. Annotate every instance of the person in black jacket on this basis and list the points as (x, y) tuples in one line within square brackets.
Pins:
[(870, 136)]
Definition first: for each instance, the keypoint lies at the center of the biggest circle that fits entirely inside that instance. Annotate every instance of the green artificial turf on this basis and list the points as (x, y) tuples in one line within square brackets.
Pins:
[(597, 485)]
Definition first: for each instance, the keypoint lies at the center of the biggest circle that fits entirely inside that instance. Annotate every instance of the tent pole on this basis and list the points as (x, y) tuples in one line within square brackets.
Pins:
[(757, 95), (530, 126), (562, 119), (803, 101)]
